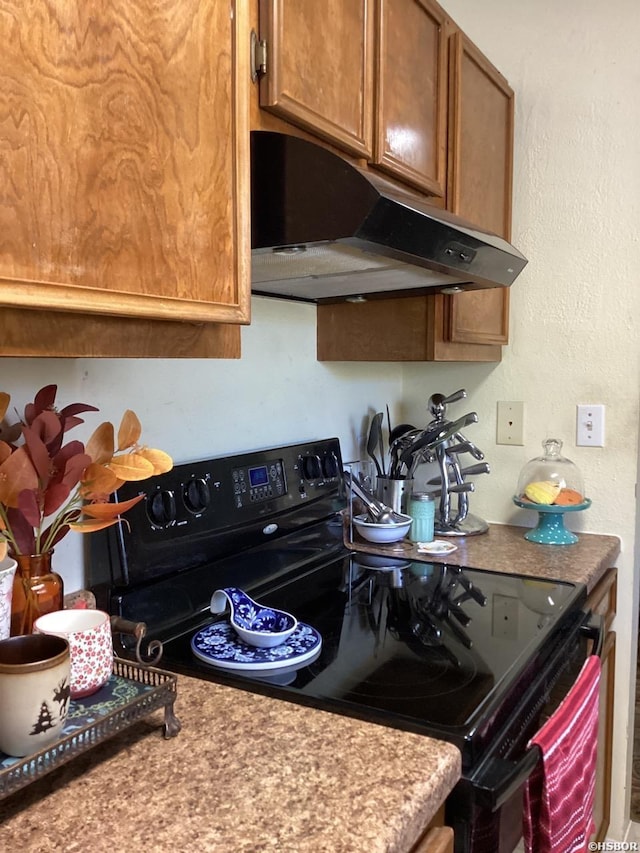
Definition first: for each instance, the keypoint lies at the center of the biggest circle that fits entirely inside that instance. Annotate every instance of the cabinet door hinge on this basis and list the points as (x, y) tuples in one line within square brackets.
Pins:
[(258, 56)]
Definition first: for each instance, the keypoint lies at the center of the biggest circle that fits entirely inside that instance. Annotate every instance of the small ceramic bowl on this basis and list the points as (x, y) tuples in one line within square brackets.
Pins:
[(263, 627), (373, 532)]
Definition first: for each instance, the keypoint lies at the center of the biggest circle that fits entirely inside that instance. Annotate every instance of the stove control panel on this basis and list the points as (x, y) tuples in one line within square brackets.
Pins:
[(262, 482), (200, 509)]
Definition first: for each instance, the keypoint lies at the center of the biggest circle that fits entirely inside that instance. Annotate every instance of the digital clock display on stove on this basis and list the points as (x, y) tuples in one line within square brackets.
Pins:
[(258, 476)]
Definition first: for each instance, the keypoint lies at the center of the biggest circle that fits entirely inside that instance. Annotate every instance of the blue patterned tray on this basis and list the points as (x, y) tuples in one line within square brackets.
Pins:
[(132, 692), (219, 645)]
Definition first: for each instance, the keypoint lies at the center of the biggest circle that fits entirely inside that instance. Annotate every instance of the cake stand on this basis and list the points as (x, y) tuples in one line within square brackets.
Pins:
[(551, 529)]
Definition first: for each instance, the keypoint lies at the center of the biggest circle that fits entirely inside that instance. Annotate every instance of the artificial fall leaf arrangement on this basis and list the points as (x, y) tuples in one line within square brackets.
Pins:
[(48, 488)]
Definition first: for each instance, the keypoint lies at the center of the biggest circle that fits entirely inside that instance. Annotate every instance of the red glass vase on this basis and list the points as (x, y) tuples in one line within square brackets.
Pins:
[(36, 590)]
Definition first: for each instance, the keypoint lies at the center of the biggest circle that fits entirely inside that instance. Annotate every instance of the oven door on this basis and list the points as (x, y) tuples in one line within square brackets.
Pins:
[(486, 807)]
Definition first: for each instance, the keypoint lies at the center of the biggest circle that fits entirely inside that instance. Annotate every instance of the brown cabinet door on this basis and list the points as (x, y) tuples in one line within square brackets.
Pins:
[(602, 802), (411, 93), (479, 180), (602, 601), (320, 67), (125, 164)]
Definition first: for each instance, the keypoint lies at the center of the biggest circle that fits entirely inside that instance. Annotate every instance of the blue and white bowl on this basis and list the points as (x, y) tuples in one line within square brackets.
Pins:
[(263, 627)]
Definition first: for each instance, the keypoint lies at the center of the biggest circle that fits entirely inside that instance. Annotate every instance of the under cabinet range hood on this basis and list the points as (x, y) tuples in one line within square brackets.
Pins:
[(324, 230)]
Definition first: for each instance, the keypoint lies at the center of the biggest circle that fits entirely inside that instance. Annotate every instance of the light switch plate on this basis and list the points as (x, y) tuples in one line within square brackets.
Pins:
[(510, 426), (590, 426)]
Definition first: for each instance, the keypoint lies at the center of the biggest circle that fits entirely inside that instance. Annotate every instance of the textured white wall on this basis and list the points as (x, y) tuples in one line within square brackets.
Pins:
[(574, 317)]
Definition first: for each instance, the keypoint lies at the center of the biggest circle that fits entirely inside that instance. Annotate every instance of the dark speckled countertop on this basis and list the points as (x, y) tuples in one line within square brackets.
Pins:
[(246, 773), (249, 773), (504, 549)]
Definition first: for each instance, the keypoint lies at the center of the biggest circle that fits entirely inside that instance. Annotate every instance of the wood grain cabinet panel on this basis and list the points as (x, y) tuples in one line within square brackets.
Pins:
[(124, 162), (320, 67), (603, 601), (437, 837), (437, 840), (417, 100), (480, 180), (411, 93), (478, 124)]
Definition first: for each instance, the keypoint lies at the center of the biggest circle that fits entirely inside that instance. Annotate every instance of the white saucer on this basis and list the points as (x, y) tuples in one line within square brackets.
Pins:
[(438, 546)]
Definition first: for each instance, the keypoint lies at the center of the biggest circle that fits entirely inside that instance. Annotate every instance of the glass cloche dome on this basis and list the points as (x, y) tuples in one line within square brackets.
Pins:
[(551, 479)]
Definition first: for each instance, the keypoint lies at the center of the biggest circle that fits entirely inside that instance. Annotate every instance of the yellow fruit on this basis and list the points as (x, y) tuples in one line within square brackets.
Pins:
[(544, 492)]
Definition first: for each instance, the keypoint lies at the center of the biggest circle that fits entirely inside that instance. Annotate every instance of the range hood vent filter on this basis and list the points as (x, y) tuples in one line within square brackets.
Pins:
[(324, 230)]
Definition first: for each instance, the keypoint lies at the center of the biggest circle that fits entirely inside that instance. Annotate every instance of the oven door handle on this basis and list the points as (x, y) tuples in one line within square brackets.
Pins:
[(502, 778), (594, 629)]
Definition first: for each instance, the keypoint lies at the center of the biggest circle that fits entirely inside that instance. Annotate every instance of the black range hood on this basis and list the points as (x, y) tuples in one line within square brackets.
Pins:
[(324, 230)]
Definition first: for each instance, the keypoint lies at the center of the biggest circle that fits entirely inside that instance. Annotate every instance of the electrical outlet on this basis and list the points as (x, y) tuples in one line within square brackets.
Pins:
[(590, 426), (510, 427), (504, 613)]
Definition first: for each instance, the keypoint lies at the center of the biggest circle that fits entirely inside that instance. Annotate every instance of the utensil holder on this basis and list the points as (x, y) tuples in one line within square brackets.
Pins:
[(394, 493)]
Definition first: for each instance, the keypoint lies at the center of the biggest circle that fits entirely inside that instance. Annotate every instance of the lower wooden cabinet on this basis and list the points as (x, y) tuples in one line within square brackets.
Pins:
[(437, 838), (602, 601)]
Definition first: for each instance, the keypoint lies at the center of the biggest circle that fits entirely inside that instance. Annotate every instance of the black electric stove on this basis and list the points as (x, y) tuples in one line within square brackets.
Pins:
[(473, 657), (422, 646)]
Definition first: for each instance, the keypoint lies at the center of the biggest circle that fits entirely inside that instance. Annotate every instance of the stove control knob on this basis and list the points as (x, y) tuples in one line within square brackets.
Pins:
[(161, 508), (330, 466), (196, 496), (311, 468)]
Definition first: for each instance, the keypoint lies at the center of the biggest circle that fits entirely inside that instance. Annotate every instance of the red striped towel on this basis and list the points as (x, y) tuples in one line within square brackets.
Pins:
[(559, 794)]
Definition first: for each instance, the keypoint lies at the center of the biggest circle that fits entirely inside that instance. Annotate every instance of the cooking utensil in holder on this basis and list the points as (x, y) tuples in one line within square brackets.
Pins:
[(394, 493)]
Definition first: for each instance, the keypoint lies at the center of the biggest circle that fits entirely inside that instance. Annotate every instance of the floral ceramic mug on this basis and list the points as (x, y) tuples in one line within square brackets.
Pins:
[(88, 633)]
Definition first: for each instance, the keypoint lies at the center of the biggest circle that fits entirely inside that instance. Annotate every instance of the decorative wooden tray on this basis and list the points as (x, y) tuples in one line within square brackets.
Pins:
[(132, 692)]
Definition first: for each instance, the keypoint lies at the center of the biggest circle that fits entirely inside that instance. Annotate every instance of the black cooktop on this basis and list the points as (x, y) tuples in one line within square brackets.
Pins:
[(422, 646)]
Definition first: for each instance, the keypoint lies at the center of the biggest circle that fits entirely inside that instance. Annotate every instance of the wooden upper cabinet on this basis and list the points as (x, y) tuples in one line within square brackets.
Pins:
[(367, 76), (320, 68), (481, 110), (411, 93), (125, 161), (395, 83)]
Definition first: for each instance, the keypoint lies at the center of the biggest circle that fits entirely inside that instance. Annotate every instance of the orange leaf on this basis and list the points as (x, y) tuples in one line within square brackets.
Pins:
[(4, 404), (98, 480), (110, 510), (3, 548), (16, 473), (130, 430), (131, 466), (100, 445), (90, 525), (160, 460)]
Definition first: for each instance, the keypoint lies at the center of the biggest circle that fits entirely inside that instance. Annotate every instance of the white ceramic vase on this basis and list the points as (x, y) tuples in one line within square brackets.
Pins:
[(7, 573)]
